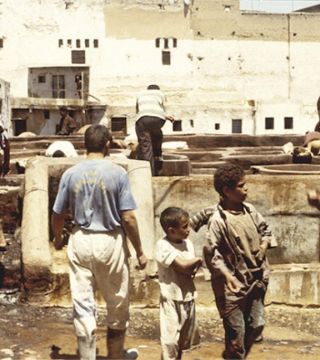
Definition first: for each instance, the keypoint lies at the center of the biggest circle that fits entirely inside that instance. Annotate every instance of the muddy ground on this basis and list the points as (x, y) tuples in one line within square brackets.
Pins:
[(28, 332)]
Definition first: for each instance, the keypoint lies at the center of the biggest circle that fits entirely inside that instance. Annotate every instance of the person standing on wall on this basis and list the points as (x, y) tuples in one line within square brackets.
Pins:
[(68, 124), (97, 192), (151, 116), (4, 169), (4, 153)]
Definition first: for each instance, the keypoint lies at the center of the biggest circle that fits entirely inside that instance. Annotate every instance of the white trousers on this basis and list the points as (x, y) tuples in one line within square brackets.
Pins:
[(178, 327), (98, 261)]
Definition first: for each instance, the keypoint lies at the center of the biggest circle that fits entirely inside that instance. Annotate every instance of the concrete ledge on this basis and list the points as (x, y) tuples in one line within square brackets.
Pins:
[(295, 284)]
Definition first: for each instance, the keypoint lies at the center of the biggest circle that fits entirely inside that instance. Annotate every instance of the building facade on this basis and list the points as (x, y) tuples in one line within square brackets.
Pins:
[(223, 70)]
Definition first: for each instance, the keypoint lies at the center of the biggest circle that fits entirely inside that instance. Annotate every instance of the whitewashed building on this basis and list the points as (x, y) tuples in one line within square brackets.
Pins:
[(223, 70)]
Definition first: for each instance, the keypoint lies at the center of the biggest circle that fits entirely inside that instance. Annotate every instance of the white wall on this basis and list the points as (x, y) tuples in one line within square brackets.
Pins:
[(209, 81)]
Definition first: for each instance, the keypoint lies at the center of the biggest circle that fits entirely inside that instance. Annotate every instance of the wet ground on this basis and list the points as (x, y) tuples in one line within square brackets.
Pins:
[(29, 332)]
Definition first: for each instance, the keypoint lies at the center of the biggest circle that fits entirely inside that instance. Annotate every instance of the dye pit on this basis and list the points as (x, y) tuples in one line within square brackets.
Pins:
[(29, 332)]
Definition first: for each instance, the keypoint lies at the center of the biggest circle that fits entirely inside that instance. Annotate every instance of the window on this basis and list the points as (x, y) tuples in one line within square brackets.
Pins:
[(269, 123), (69, 42), (217, 126), (46, 114), (60, 42), (78, 43), (1, 43), (166, 58), (236, 126), (177, 125), (78, 56), (119, 123), (166, 43), (95, 43), (20, 126), (174, 42), (157, 42), (41, 79), (191, 123), (86, 43), (288, 122), (58, 87)]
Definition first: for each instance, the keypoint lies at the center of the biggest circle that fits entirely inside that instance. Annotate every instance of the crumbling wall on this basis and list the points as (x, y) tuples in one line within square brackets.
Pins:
[(5, 109)]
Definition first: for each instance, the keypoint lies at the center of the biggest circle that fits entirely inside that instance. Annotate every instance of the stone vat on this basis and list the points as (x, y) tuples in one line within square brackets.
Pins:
[(286, 169)]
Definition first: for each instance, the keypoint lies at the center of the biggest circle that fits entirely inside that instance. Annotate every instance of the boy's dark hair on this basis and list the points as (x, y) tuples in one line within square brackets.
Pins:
[(96, 138), (171, 217), (153, 87), (227, 175)]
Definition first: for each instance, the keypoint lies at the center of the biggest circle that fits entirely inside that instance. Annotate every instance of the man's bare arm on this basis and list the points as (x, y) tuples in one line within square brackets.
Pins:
[(57, 223), (130, 225)]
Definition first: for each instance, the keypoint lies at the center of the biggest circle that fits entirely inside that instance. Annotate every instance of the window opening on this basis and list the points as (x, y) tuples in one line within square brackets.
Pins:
[(119, 123), (41, 79), (78, 57), (236, 126), (166, 58), (58, 87), (177, 125), (288, 122), (269, 123), (46, 114)]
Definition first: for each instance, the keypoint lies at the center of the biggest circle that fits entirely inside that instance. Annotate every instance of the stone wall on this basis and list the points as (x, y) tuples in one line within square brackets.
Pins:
[(295, 276), (280, 199)]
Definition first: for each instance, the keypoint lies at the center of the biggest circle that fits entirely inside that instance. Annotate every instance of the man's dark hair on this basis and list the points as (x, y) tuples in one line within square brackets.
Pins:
[(58, 153), (96, 138), (171, 217), (63, 108), (153, 87), (227, 175)]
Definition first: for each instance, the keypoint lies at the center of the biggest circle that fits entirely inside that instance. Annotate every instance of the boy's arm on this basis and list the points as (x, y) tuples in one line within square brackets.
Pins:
[(267, 238), (188, 267), (201, 218)]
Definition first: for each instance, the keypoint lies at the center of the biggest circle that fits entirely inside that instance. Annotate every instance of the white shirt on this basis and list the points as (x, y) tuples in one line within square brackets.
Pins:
[(174, 285)]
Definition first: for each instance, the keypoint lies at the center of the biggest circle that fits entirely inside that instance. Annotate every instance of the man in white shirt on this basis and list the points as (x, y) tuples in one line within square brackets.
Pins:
[(151, 116)]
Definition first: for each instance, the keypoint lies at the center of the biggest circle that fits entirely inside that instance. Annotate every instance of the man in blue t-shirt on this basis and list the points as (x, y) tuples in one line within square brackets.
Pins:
[(97, 192)]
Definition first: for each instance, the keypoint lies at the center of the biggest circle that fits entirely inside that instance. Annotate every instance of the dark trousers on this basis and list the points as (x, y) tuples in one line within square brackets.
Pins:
[(243, 325), (149, 133)]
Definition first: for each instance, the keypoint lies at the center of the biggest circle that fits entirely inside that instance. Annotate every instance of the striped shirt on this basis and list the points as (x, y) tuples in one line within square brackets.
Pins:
[(151, 103)]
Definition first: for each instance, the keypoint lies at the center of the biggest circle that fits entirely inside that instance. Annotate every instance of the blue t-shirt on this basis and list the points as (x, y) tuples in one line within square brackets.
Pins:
[(96, 191)]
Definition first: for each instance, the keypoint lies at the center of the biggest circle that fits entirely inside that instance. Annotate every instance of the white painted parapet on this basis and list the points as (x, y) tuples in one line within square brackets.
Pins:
[(140, 178)]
